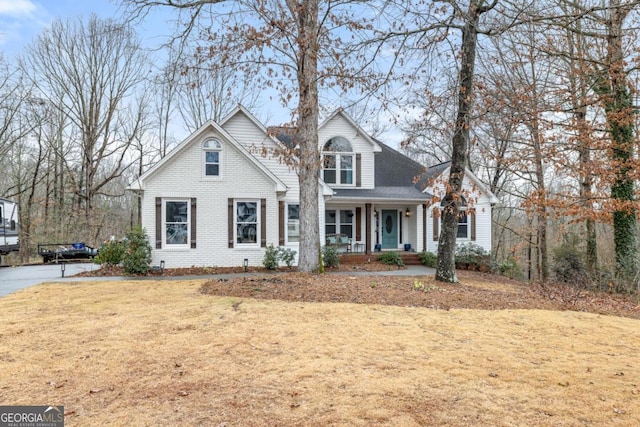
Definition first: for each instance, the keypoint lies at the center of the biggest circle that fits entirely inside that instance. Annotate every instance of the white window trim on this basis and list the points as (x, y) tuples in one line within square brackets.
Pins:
[(338, 155), (286, 234), (166, 245), (220, 160), (462, 239), (338, 224), (258, 223)]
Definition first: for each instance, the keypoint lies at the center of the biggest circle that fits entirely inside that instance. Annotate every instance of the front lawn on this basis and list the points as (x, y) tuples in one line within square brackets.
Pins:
[(168, 353)]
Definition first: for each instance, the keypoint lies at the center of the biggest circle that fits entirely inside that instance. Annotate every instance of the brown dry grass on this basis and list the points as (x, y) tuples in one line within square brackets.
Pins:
[(162, 353)]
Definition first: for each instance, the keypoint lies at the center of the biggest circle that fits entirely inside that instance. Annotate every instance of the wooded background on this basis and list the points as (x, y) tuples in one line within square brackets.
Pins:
[(551, 122)]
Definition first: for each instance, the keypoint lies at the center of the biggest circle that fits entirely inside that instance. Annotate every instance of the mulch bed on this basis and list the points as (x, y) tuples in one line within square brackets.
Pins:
[(475, 290)]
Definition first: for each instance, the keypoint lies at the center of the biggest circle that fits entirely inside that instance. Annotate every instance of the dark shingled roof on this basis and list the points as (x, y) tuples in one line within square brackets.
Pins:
[(397, 176), (394, 168), (286, 135)]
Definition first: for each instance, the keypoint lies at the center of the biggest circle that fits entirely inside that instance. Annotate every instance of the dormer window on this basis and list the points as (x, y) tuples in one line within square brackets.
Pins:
[(338, 159), (212, 149)]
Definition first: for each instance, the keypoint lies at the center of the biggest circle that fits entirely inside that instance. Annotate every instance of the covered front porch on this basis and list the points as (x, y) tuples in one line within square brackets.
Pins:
[(367, 227)]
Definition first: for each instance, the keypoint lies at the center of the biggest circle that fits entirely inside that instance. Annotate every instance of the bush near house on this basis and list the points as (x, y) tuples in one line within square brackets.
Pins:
[(470, 256), (391, 258), (137, 255), (273, 256), (428, 259), (111, 253), (330, 257)]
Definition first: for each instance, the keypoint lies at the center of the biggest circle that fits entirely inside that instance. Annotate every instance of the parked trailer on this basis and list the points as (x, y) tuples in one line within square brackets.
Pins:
[(9, 241), (65, 251)]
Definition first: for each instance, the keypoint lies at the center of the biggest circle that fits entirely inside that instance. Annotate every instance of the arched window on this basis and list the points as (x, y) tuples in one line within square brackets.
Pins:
[(338, 160), (212, 149)]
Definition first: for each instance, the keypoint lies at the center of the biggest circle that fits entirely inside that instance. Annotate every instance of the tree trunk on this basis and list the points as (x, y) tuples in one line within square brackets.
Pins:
[(620, 120), (307, 72), (541, 208), (446, 262)]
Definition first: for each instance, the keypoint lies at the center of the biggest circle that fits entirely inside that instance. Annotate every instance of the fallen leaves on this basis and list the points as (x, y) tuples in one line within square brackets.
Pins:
[(476, 291)]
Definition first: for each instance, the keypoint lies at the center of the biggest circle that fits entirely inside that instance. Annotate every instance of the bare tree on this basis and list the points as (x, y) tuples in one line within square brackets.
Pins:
[(446, 263), (89, 71), (12, 95), (207, 94), (293, 43)]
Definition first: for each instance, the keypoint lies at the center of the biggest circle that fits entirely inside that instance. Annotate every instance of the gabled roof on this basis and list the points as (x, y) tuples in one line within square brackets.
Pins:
[(241, 109), (274, 136), (208, 126), (286, 135), (365, 135)]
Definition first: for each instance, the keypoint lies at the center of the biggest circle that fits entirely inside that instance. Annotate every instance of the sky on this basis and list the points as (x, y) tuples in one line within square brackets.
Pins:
[(21, 21)]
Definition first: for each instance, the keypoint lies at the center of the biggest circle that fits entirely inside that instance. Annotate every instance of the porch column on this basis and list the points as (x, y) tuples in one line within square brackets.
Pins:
[(424, 227), (367, 234)]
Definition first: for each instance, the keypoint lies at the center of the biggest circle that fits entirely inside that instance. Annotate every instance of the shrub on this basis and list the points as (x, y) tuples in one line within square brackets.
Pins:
[(470, 256), (391, 258), (568, 266), (509, 268), (270, 260), (330, 257), (111, 253), (137, 255), (428, 259), (287, 255)]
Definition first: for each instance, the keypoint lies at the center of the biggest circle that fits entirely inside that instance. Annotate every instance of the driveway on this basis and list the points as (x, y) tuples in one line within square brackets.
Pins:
[(16, 278)]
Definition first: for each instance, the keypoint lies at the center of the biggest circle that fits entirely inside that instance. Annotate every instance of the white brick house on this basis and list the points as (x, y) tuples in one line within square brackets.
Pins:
[(222, 195)]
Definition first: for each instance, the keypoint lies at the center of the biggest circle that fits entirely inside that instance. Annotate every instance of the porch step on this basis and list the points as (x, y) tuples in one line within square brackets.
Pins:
[(410, 258)]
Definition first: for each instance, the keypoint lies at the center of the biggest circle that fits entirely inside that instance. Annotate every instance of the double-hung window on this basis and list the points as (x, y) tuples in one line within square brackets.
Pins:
[(247, 220), (346, 223), (338, 222), (330, 222), (176, 223), (463, 224), (293, 223), (338, 160), (212, 149)]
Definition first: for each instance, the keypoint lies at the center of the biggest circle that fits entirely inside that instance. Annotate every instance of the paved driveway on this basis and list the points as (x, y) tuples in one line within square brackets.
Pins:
[(15, 278)]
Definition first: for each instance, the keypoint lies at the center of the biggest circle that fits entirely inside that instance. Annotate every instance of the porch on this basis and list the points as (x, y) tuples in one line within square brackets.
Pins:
[(369, 228)]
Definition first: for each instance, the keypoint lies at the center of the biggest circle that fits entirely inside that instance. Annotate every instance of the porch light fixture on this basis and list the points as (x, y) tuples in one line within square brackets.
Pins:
[(407, 212), (245, 264)]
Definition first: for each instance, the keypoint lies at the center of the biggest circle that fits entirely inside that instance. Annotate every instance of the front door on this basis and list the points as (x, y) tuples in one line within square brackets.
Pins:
[(389, 228)]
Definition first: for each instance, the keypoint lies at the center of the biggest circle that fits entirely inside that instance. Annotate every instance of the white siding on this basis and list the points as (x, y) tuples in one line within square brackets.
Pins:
[(482, 208), (245, 131)]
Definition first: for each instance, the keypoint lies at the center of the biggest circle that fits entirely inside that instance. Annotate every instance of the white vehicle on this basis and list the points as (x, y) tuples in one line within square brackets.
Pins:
[(8, 227)]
